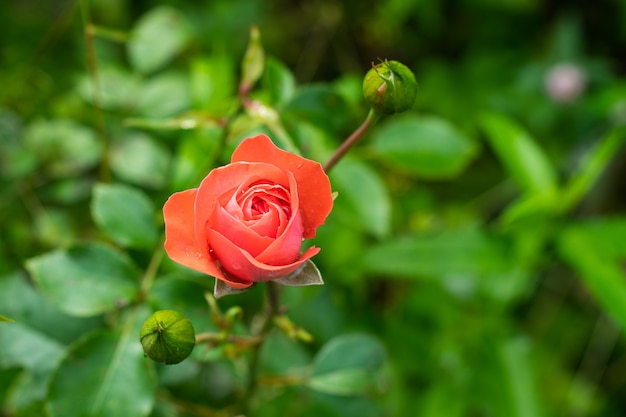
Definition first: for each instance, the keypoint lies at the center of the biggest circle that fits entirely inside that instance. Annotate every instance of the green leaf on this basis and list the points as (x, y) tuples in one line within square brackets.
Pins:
[(524, 160), (64, 147), (164, 95), (5, 318), (320, 105), (437, 402), (426, 146), (519, 379), (178, 291), (37, 355), (540, 204), (348, 365), (367, 198), (194, 157), (350, 351), (353, 381), (55, 227), (213, 84), (281, 355), (15, 160), (139, 159), (104, 374), (116, 89), (350, 87), (86, 280), (605, 237), (596, 162), (464, 252), (307, 274), (22, 302), (158, 36), (279, 82), (21, 346), (126, 214), (25, 396), (596, 251)]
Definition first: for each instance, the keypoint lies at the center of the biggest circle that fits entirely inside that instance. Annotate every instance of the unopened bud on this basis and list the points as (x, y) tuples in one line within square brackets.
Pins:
[(167, 336), (253, 62), (390, 87)]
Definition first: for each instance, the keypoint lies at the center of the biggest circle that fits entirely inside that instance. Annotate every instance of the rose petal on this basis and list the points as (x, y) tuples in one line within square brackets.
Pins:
[(255, 199), (314, 188), (271, 223), (239, 233), (234, 282), (279, 204), (286, 247), (239, 263), (180, 243), (266, 208), (222, 180)]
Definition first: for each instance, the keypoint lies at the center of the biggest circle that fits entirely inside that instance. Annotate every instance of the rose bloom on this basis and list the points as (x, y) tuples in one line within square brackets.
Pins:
[(246, 221)]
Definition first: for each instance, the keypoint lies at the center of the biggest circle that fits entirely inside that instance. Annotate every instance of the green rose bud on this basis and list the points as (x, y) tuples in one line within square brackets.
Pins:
[(167, 336), (390, 87)]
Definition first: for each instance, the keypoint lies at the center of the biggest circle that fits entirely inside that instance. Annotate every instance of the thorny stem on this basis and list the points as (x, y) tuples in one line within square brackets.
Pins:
[(354, 138)]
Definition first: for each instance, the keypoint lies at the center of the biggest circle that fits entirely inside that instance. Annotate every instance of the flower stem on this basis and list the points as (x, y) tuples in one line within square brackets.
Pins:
[(355, 137), (151, 271), (92, 64), (217, 338), (272, 308)]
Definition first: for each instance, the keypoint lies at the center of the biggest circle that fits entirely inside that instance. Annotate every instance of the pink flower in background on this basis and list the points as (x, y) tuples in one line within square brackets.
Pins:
[(565, 82)]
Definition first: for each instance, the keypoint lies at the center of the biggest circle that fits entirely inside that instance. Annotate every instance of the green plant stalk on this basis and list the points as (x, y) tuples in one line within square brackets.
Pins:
[(184, 122), (92, 64), (106, 33), (218, 338), (581, 183), (269, 116), (354, 138), (150, 274), (272, 308), (277, 127)]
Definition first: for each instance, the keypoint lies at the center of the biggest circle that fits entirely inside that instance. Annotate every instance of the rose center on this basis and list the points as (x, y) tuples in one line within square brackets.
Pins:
[(262, 198), (259, 206)]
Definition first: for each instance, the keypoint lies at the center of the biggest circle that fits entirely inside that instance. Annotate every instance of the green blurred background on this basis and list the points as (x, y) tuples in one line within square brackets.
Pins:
[(482, 310)]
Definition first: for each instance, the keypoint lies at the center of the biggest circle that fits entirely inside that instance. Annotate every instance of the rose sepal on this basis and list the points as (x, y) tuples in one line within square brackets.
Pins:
[(221, 289), (306, 275)]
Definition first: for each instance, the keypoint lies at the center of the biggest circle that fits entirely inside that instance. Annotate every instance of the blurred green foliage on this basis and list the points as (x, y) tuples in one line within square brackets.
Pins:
[(474, 260)]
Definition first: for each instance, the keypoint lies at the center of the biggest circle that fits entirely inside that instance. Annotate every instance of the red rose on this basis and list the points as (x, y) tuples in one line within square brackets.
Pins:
[(246, 221)]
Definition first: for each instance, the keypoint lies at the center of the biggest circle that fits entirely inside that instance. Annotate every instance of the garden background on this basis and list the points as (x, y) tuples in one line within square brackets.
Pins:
[(474, 258)]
